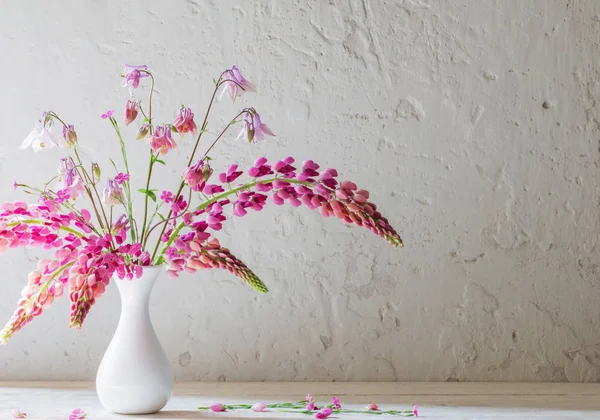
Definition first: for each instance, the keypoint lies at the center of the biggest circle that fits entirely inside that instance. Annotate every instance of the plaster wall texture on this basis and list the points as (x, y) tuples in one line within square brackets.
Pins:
[(475, 124)]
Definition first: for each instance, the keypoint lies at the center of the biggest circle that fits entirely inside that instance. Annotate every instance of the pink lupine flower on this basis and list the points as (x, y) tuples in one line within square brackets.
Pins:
[(197, 175), (42, 136), (121, 178), (416, 411), (131, 111), (336, 403), (211, 189), (162, 142), (132, 76), (184, 122), (231, 175), (260, 406), (113, 193), (77, 414), (254, 130), (218, 407), (18, 414), (260, 168), (69, 135), (107, 114), (235, 84), (372, 407), (324, 413)]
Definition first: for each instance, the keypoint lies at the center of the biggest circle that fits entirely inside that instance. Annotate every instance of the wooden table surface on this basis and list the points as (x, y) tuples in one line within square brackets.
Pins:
[(55, 400)]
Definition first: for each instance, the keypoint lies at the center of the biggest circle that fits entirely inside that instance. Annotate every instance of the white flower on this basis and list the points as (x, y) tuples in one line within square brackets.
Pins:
[(41, 137)]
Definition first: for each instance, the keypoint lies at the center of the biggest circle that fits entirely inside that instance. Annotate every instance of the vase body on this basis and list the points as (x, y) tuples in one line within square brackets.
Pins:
[(135, 376)]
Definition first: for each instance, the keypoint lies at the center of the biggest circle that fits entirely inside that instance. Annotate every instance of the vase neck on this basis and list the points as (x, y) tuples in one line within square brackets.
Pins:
[(137, 291)]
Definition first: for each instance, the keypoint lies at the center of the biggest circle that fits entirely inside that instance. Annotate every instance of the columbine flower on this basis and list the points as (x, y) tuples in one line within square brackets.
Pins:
[(254, 130), (77, 414), (108, 114), (324, 413), (41, 137), (143, 131), (235, 84), (131, 111), (218, 407), (197, 175), (336, 403), (372, 407), (259, 406), (184, 122), (69, 181), (112, 194), (69, 135), (18, 414), (132, 76), (162, 142)]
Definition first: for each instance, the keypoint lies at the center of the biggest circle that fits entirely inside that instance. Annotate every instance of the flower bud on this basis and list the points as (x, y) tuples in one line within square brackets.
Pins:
[(96, 172), (69, 135), (131, 112), (143, 131)]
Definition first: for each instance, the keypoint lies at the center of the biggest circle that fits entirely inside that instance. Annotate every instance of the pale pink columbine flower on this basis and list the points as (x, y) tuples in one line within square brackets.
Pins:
[(42, 136), (113, 193), (131, 111), (68, 179), (416, 411), (18, 414), (132, 76), (260, 406), (235, 84), (324, 413), (197, 175), (254, 130), (372, 407), (336, 403), (217, 407), (69, 135), (77, 414), (162, 142), (184, 123)]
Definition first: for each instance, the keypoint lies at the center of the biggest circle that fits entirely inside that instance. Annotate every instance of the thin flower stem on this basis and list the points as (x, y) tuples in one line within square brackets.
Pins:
[(220, 197), (171, 218), (233, 121), (152, 159)]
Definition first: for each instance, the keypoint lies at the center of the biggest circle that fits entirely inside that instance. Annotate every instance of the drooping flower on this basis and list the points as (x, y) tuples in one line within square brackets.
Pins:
[(324, 413), (68, 179), (77, 414), (260, 406), (107, 114), (69, 135), (184, 123), (18, 414), (372, 407), (217, 407), (197, 175), (143, 131), (336, 403), (131, 111), (254, 130), (235, 84), (113, 193), (132, 76), (162, 142), (42, 136)]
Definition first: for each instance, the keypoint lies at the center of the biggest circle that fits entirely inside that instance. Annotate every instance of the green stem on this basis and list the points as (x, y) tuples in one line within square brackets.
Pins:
[(151, 164), (129, 206), (217, 198)]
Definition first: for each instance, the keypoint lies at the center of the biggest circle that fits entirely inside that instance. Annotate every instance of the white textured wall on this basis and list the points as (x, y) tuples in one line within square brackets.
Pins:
[(475, 124)]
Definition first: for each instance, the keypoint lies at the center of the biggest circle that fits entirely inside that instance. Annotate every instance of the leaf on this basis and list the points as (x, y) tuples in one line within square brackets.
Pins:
[(114, 164), (160, 161), (149, 193)]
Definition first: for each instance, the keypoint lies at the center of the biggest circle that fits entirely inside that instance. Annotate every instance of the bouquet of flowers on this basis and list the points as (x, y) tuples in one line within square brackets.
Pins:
[(92, 230)]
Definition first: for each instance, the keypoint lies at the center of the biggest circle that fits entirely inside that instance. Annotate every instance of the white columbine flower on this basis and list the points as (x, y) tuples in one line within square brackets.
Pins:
[(41, 137)]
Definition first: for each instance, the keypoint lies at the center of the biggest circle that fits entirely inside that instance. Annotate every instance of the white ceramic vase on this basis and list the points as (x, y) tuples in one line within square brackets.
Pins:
[(135, 376)]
